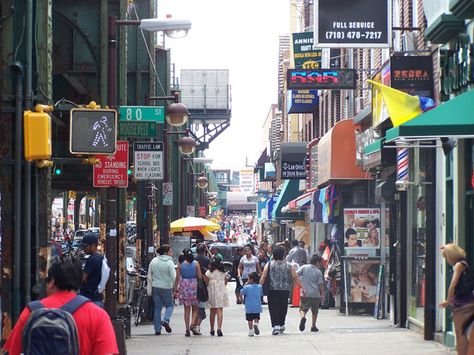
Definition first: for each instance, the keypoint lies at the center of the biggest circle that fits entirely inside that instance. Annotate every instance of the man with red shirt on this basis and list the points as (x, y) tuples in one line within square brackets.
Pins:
[(96, 335)]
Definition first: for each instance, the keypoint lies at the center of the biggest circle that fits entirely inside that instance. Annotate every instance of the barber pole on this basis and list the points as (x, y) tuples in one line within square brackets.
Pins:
[(402, 164)]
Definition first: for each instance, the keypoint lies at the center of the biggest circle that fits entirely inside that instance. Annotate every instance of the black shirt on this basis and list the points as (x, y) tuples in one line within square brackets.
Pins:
[(204, 262), (93, 269)]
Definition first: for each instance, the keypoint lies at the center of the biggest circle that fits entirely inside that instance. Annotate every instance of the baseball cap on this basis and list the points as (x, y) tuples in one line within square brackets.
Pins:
[(88, 239)]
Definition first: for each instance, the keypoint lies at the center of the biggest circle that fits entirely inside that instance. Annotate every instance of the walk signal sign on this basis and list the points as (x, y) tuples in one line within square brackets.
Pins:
[(93, 131)]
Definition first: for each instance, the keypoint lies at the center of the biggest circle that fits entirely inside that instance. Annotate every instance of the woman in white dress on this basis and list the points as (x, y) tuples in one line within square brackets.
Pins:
[(216, 280)]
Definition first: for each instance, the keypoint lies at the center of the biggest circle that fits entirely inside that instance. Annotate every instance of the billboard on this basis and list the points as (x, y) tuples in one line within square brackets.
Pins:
[(205, 89), (335, 79), (353, 24)]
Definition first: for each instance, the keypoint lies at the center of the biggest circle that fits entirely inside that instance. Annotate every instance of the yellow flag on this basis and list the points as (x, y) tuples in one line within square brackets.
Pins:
[(401, 107)]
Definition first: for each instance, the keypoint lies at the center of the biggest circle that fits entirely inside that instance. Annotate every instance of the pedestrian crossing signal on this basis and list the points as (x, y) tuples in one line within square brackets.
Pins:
[(93, 131)]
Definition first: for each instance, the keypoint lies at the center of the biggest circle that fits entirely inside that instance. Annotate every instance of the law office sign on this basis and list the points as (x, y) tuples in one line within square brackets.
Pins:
[(292, 158), (353, 24)]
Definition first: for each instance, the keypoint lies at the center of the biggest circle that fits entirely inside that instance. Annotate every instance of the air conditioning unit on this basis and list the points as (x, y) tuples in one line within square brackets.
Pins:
[(359, 104), (408, 41)]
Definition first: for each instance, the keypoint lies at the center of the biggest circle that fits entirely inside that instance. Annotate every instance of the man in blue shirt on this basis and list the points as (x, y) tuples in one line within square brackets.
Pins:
[(253, 293), (92, 270)]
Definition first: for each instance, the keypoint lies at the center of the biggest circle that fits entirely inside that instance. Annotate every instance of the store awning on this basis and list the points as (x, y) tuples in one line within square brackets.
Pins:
[(300, 203), (269, 171), (289, 192), (374, 147), (452, 119), (337, 155)]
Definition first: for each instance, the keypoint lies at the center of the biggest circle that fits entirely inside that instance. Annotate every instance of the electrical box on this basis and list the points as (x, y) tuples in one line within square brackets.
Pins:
[(37, 135)]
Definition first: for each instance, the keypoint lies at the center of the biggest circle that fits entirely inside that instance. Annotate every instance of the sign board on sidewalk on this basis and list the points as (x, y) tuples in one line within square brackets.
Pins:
[(142, 113), (112, 170), (167, 193), (148, 160), (137, 129)]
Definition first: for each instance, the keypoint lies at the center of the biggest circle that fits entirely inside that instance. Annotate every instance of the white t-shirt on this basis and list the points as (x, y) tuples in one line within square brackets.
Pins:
[(250, 265)]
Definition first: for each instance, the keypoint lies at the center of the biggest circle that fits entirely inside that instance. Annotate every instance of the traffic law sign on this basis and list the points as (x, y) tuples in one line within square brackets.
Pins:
[(148, 160), (112, 170), (142, 113)]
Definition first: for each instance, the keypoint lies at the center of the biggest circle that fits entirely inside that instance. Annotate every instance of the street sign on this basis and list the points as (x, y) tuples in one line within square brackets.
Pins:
[(142, 113), (167, 194), (148, 160), (137, 129), (92, 131), (112, 170)]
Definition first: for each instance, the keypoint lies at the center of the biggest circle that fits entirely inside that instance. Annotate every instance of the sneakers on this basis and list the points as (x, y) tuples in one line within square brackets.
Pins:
[(276, 330), (256, 330), (195, 330), (251, 333), (282, 329), (302, 324), (167, 327), (314, 329), (157, 333)]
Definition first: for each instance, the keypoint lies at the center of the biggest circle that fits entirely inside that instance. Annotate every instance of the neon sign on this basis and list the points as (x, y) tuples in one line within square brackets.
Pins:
[(328, 79)]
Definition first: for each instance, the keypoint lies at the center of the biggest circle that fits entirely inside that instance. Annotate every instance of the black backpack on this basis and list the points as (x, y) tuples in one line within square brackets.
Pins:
[(465, 285), (52, 330)]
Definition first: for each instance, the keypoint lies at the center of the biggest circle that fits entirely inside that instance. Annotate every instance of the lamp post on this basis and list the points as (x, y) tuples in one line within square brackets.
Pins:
[(113, 202)]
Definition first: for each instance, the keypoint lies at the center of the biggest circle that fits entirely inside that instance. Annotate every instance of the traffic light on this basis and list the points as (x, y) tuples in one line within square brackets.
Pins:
[(37, 135), (93, 131), (58, 170)]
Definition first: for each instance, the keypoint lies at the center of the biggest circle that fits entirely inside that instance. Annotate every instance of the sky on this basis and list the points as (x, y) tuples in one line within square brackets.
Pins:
[(242, 36)]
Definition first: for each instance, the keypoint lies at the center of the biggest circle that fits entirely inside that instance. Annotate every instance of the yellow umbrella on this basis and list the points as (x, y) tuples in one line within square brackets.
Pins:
[(192, 224)]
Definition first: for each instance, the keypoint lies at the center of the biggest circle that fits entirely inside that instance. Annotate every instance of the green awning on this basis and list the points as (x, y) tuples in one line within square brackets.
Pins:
[(290, 191), (452, 119), (374, 147)]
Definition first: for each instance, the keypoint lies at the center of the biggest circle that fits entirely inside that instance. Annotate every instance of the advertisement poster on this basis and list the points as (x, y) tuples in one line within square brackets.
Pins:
[(362, 227), (363, 277)]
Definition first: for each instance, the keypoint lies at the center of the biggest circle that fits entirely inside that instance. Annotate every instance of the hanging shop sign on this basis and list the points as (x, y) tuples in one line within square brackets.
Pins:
[(148, 160), (304, 55), (112, 170), (353, 24), (412, 74), (302, 101), (335, 79), (292, 160)]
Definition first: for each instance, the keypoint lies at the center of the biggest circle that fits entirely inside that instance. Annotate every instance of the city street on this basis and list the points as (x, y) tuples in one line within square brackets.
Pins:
[(338, 335)]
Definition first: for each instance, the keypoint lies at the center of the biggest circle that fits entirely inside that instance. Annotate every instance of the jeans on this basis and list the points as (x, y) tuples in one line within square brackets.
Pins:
[(162, 297), (278, 306)]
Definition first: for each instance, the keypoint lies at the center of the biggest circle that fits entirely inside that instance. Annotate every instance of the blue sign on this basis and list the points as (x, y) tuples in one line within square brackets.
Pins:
[(302, 101)]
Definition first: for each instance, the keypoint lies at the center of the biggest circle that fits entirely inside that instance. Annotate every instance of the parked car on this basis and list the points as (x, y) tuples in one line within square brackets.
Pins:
[(80, 233), (95, 230)]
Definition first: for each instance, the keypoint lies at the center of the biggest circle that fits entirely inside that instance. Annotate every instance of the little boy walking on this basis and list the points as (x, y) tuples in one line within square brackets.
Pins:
[(253, 293)]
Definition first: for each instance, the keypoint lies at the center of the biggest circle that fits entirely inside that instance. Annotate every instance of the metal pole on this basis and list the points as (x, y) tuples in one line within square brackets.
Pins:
[(18, 68), (27, 175), (111, 192), (383, 255)]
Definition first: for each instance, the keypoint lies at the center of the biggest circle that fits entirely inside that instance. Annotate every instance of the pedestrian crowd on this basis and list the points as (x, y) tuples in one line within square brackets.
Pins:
[(200, 282)]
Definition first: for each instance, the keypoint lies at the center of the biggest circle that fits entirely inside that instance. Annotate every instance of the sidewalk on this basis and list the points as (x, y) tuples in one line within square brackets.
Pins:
[(337, 335)]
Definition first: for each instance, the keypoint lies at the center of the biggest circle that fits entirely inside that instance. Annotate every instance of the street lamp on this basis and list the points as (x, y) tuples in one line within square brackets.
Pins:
[(202, 182), (176, 114)]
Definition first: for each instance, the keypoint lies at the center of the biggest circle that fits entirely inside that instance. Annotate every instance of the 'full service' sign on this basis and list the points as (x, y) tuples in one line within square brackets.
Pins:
[(352, 24)]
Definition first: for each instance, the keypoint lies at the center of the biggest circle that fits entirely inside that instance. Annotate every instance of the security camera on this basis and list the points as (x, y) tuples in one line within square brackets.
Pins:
[(401, 185)]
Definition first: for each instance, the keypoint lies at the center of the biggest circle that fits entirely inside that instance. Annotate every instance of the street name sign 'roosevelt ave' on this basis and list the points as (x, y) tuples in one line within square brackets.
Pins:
[(148, 160)]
